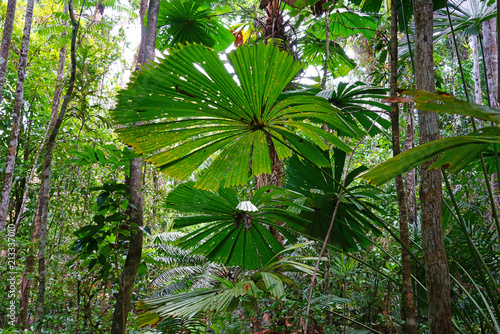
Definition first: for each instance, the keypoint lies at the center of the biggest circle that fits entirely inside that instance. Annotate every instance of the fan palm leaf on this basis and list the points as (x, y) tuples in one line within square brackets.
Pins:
[(320, 193), (194, 107), (354, 100), (229, 235), (181, 21)]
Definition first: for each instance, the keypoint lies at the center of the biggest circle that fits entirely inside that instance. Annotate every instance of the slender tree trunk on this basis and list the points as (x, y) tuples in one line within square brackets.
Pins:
[(53, 117), (6, 38), (16, 116), (491, 59), (411, 323), (477, 73), (30, 262), (327, 51), (136, 220), (44, 193), (410, 176), (436, 263)]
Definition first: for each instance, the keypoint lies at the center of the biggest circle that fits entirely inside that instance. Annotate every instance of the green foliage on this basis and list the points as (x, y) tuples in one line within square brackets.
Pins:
[(321, 193), (458, 151), (229, 294), (229, 235), (235, 115), (98, 242), (181, 22)]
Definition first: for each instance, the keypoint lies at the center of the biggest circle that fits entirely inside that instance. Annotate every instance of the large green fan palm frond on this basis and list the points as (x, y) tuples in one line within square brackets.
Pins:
[(194, 107), (320, 194), (229, 235), (181, 21), (355, 100)]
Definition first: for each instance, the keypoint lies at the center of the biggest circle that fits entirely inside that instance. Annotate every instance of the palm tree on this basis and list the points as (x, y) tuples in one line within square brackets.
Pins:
[(196, 110)]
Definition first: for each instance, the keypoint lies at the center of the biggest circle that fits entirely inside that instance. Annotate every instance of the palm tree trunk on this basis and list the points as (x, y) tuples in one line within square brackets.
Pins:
[(411, 323), (6, 39), (436, 263), (136, 220), (16, 116), (44, 193)]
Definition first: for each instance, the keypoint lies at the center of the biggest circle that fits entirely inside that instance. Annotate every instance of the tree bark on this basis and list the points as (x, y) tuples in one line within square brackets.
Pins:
[(477, 73), (435, 261), (411, 322), (6, 39), (44, 193), (136, 220), (16, 116), (410, 176), (491, 59)]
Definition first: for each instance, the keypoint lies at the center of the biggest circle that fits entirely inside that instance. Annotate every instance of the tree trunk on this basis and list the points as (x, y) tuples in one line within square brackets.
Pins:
[(491, 59), (44, 193), (410, 176), (411, 323), (477, 73), (16, 116), (436, 263), (6, 38), (136, 220), (53, 117)]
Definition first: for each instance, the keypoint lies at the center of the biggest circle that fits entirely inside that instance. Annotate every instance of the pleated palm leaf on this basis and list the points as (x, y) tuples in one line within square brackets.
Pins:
[(320, 193), (455, 153), (355, 99), (467, 18), (194, 108), (182, 21), (228, 235)]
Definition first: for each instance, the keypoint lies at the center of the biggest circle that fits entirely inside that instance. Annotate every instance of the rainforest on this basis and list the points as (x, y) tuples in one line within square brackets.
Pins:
[(257, 167)]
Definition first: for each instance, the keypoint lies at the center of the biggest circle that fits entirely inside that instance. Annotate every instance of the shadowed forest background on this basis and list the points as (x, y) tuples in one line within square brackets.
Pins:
[(274, 166)]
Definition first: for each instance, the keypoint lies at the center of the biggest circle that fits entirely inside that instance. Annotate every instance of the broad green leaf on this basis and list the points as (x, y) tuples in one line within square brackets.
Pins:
[(459, 151), (194, 110), (231, 236), (449, 105), (352, 223), (182, 21)]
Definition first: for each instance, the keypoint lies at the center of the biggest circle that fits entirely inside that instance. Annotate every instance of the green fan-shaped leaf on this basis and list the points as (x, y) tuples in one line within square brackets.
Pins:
[(194, 109), (182, 21), (231, 236), (320, 194), (355, 99)]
